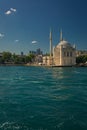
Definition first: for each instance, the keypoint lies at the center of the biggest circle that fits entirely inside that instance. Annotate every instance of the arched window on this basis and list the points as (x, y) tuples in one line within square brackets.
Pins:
[(67, 54), (64, 54), (70, 54)]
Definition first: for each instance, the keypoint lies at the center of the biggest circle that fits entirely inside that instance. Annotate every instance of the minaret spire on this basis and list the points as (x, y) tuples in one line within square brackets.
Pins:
[(50, 43), (61, 35)]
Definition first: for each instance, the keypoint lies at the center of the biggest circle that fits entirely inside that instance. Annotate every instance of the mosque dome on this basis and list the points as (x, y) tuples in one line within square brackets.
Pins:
[(64, 44)]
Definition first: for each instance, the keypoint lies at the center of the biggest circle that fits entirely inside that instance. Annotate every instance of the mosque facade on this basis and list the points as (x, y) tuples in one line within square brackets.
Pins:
[(63, 54)]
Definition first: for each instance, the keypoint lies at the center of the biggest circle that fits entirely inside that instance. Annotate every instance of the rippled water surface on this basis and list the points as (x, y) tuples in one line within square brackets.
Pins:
[(39, 98)]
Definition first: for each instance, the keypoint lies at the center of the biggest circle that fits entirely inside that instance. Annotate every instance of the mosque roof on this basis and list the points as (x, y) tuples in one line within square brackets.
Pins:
[(64, 43)]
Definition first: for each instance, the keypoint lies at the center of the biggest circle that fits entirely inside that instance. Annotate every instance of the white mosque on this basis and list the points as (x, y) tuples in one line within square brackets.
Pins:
[(63, 54)]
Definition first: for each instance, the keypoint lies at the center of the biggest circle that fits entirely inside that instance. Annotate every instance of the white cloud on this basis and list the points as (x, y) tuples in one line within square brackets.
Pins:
[(1, 35), (10, 11), (34, 42), (16, 40)]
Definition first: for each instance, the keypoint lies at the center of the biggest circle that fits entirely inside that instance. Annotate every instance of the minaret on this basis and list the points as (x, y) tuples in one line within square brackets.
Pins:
[(50, 43), (61, 35), (61, 39)]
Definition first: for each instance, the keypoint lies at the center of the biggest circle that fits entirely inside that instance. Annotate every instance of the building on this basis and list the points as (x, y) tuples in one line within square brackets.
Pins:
[(22, 54), (63, 54), (39, 52), (81, 53), (32, 52), (47, 60)]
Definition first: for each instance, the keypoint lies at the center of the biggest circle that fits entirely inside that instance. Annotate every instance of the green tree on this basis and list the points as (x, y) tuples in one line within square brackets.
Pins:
[(31, 57), (28, 59), (81, 59), (1, 60), (6, 56)]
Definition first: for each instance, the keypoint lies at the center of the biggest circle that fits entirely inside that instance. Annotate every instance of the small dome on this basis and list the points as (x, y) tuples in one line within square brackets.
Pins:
[(64, 43)]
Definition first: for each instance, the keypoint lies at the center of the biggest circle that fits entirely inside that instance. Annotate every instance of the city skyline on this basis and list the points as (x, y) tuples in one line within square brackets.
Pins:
[(25, 25)]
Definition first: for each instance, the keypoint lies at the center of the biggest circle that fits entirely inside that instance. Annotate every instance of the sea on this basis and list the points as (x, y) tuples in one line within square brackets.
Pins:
[(43, 98)]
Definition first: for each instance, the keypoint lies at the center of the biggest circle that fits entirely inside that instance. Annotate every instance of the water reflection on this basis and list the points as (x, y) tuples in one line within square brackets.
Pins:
[(62, 73), (60, 84)]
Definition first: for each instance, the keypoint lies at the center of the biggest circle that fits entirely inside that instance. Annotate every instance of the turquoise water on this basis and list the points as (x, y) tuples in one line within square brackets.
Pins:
[(39, 98)]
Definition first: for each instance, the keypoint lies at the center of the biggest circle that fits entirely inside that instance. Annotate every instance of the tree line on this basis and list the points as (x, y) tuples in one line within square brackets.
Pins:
[(81, 59), (8, 57)]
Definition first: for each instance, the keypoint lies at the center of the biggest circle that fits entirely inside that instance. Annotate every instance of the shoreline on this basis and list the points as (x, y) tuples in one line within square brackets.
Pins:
[(36, 65)]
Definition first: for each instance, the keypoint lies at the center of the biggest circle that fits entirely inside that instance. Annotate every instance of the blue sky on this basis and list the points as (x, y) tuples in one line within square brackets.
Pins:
[(25, 24)]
